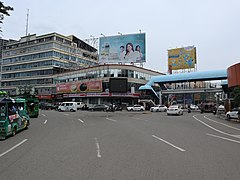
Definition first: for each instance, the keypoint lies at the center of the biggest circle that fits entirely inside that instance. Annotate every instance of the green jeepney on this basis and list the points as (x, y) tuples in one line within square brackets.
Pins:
[(32, 106), (13, 116)]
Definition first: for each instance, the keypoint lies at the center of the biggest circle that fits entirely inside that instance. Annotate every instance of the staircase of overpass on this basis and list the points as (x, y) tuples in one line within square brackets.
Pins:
[(185, 77)]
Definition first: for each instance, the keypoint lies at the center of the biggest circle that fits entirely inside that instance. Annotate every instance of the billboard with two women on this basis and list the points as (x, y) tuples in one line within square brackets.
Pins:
[(129, 48)]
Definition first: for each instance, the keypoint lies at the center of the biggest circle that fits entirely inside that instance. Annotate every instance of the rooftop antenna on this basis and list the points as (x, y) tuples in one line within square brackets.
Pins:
[(27, 22)]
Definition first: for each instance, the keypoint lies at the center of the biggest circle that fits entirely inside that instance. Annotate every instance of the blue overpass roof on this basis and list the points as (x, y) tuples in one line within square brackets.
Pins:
[(187, 77)]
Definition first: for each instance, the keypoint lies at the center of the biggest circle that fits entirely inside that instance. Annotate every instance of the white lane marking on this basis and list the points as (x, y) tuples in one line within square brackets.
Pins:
[(222, 124), (81, 120), (111, 119), (43, 115), (139, 119), (66, 114), (178, 148), (14, 147), (45, 122), (217, 130), (232, 140), (98, 148)]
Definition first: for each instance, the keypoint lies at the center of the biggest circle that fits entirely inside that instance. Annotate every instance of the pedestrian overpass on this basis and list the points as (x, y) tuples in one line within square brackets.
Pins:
[(184, 77)]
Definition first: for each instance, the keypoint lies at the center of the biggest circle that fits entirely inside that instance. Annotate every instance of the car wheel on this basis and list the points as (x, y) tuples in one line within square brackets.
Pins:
[(157, 110), (165, 110)]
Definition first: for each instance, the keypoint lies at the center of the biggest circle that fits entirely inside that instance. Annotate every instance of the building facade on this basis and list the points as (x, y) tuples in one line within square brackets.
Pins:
[(35, 60), (234, 76), (92, 85)]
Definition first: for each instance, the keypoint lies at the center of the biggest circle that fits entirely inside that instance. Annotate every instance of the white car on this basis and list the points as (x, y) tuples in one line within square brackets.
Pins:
[(158, 108), (233, 114), (174, 110), (136, 108), (193, 107)]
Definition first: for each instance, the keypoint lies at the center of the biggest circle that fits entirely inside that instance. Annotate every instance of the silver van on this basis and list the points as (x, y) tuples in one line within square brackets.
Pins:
[(68, 106)]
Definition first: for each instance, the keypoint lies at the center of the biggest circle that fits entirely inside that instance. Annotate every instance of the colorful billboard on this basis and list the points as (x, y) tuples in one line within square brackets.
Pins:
[(77, 87), (182, 58), (122, 49)]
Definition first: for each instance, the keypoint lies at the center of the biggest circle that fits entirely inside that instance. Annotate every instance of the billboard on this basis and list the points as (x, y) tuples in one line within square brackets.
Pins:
[(182, 58), (75, 87), (118, 85), (122, 49)]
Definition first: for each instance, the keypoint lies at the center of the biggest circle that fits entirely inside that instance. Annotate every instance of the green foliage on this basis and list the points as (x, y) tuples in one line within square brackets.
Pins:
[(4, 11), (236, 96)]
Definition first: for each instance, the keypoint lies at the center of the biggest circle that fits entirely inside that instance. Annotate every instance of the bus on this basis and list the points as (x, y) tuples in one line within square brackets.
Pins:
[(13, 116)]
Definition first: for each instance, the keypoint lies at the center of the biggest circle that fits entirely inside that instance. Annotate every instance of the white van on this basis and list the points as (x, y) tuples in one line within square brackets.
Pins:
[(80, 105), (67, 106)]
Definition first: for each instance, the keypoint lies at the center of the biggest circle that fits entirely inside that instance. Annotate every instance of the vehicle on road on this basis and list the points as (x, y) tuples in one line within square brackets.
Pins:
[(114, 107), (47, 106), (99, 107), (158, 108), (80, 105), (67, 106), (13, 116), (207, 107), (136, 107), (194, 107), (32, 106), (175, 110), (234, 114)]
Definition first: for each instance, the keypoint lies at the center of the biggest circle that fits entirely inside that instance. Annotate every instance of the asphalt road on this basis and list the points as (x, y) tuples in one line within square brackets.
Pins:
[(123, 146)]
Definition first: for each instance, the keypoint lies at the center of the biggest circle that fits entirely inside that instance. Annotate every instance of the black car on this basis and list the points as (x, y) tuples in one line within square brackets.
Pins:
[(99, 107), (47, 106)]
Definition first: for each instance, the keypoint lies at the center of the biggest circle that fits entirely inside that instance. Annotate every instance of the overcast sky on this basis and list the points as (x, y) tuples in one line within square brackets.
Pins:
[(213, 26)]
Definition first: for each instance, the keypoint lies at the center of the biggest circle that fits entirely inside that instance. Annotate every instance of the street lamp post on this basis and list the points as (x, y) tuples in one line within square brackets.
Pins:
[(160, 97)]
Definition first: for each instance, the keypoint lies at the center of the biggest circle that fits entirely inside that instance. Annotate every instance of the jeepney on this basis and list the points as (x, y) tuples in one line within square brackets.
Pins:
[(13, 116), (32, 106)]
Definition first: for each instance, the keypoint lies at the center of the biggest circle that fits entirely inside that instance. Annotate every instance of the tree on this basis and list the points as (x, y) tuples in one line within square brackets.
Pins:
[(236, 96), (4, 11)]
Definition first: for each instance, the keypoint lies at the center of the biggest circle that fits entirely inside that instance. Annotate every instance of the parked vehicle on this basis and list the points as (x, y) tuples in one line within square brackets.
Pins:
[(194, 107), (219, 110), (136, 107), (80, 105), (174, 110), (158, 108), (99, 107), (47, 106), (234, 114), (13, 116), (115, 107), (68, 106)]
